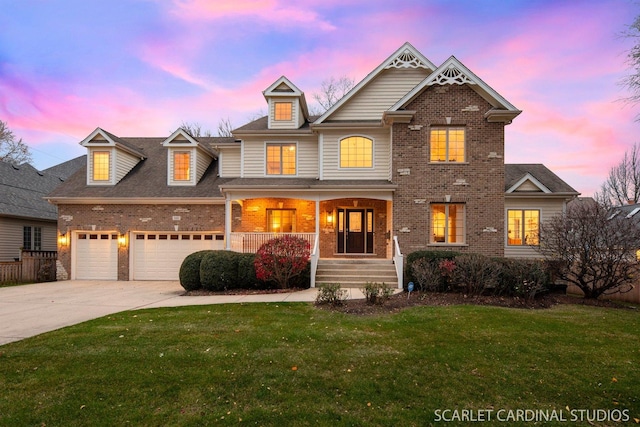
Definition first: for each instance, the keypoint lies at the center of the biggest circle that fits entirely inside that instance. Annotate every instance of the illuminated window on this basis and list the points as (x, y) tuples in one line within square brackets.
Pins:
[(281, 159), (282, 111), (447, 145), (523, 227), (281, 220), (181, 166), (101, 160), (447, 223), (356, 152)]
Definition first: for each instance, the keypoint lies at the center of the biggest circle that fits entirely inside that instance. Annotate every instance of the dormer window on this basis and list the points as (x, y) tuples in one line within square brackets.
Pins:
[(283, 111), (101, 165), (181, 166)]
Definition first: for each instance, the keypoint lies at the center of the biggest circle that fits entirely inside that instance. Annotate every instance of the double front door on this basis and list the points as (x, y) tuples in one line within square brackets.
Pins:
[(355, 231)]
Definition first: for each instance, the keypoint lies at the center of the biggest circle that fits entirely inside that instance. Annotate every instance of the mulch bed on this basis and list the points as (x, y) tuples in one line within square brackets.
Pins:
[(402, 300)]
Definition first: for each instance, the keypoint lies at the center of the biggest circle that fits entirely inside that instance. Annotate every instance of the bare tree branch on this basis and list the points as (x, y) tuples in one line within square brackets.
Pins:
[(12, 150), (623, 183), (194, 129), (332, 90), (225, 127)]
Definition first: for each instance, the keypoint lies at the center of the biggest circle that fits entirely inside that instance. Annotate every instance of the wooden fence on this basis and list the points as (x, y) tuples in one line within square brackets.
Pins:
[(34, 266), (631, 296)]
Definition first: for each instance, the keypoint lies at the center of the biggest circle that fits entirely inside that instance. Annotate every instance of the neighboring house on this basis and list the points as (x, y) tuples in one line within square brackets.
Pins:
[(27, 220), (411, 158)]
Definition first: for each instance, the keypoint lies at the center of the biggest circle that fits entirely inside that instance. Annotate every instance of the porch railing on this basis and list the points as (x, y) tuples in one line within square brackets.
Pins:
[(398, 260), (251, 242)]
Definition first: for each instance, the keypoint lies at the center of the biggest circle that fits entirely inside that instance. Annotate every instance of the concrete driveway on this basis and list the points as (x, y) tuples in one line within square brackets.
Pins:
[(29, 310)]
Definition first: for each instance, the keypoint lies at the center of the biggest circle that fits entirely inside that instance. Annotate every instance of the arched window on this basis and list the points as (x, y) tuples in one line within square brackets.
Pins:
[(356, 152)]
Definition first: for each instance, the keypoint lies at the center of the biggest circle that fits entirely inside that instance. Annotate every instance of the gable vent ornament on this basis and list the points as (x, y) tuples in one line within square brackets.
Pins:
[(406, 60), (452, 75)]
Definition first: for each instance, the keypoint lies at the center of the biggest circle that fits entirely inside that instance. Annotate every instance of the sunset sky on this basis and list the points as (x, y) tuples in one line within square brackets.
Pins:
[(142, 67)]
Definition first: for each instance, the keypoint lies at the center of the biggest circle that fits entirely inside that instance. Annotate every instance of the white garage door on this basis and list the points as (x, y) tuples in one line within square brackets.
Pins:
[(158, 256), (96, 256)]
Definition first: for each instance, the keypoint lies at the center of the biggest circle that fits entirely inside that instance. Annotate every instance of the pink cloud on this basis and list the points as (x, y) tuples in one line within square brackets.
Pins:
[(269, 11)]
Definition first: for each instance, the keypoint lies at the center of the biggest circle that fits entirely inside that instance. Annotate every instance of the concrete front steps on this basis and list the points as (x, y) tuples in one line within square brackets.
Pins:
[(355, 273)]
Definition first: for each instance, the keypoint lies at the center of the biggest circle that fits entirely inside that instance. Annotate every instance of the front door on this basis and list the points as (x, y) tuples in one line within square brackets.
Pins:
[(355, 231)]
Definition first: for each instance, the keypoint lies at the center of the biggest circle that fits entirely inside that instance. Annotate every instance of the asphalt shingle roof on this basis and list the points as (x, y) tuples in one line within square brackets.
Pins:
[(147, 179), (515, 172), (22, 192)]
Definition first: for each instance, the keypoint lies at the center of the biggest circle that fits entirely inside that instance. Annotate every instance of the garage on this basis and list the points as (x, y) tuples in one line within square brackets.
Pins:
[(96, 256), (159, 255)]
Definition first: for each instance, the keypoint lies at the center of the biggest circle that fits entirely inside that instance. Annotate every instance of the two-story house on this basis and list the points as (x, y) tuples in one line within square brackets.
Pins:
[(411, 158)]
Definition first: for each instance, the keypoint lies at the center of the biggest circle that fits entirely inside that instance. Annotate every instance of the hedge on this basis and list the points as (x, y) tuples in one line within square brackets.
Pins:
[(219, 270), (190, 271)]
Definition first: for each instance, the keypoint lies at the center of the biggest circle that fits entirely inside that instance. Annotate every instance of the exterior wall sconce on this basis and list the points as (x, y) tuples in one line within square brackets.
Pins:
[(329, 218), (122, 240), (63, 239)]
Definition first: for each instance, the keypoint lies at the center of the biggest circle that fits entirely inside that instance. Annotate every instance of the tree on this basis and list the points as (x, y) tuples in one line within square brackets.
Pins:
[(332, 90), (632, 81), (225, 127), (194, 129), (623, 183), (591, 248), (12, 150)]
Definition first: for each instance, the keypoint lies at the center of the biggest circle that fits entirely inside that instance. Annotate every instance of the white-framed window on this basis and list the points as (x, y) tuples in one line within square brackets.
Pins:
[(281, 220), (448, 223), (447, 145), (282, 111), (356, 152), (281, 159), (101, 165), (523, 226), (181, 166)]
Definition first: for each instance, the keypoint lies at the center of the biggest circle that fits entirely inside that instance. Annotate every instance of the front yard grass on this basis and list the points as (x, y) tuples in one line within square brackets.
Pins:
[(292, 364)]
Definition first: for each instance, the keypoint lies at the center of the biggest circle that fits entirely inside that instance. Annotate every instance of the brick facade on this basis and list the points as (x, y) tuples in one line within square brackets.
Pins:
[(126, 218), (478, 183)]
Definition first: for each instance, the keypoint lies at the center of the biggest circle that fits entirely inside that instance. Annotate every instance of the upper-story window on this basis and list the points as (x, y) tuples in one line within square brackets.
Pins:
[(281, 159), (282, 111), (447, 145), (101, 165), (523, 227), (356, 152), (181, 166)]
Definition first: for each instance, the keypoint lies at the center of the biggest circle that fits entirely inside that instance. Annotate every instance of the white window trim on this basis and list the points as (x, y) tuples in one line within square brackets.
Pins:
[(373, 153), (271, 175), (464, 225), (275, 119), (112, 167)]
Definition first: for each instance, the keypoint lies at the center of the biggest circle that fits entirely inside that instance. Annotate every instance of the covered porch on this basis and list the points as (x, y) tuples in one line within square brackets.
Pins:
[(341, 221)]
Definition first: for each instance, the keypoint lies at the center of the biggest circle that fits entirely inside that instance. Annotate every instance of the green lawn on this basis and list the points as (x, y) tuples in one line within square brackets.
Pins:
[(292, 364)]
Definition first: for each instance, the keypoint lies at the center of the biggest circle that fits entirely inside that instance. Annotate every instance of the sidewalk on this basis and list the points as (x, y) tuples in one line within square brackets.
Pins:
[(30, 310)]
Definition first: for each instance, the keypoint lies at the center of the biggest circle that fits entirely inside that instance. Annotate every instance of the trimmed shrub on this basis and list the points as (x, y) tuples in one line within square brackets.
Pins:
[(281, 259), (431, 256), (476, 274), (331, 294), (247, 272), (376, 293), (219, 270), (524, 278), (190, 271), (428, 275)]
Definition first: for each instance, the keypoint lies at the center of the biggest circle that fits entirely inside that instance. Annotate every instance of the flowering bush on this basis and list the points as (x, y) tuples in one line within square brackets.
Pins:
[(282, 258)]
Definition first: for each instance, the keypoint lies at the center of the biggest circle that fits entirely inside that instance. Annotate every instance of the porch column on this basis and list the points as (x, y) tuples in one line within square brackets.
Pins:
[(317, 217), (227, 222)]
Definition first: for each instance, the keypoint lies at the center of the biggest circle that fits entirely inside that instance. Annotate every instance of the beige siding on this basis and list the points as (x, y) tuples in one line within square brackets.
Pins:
[(282, 124), (307, 157), (548, 209), (11, 234), (381, 155), (203, 161), (380, 94), (229, 162), (124, 163)]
